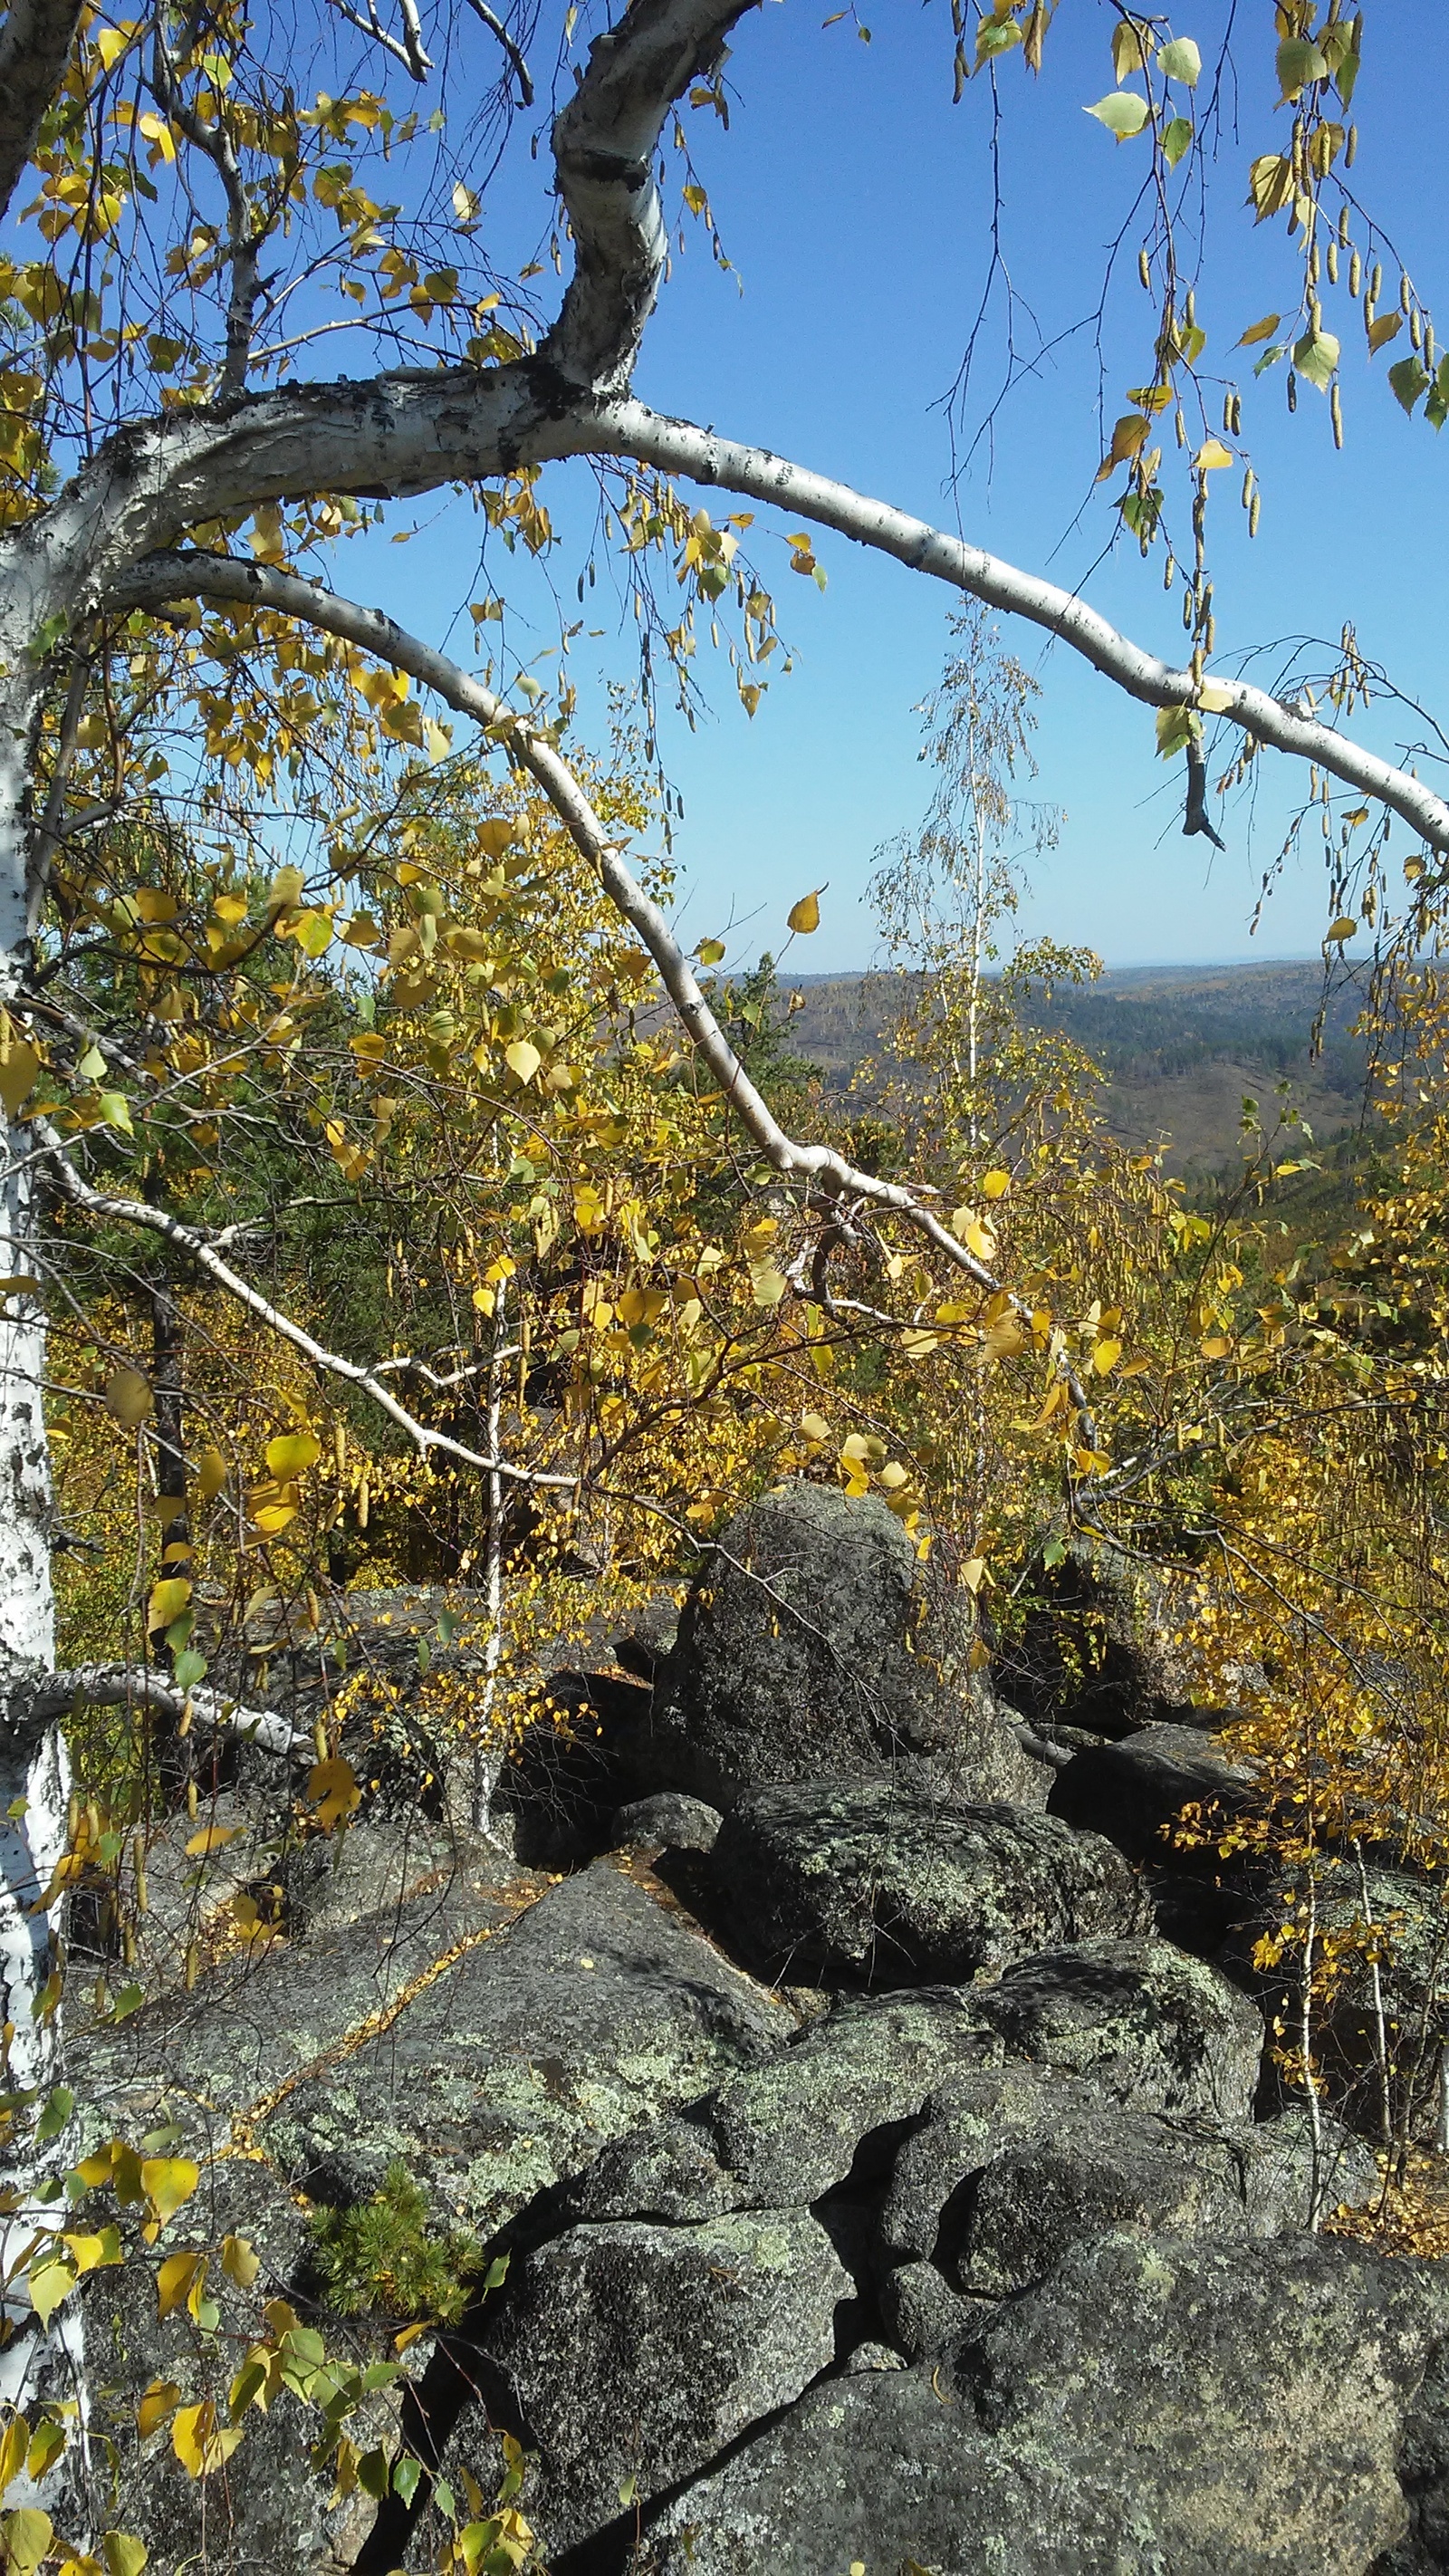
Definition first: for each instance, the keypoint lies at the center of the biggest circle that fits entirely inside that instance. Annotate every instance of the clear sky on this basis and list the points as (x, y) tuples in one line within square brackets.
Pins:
[(854, 201)]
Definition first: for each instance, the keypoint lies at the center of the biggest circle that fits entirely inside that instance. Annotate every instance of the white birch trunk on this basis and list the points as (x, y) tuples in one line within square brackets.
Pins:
[(37, 2363)]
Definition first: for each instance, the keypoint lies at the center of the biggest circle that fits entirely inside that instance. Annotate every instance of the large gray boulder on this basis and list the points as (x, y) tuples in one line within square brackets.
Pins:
[(1156, 2407), (631, 2355), (1144, 2023), (812, 1642), (782, 2134), (1135, 1791), (1009, 2168), (885, 1883)]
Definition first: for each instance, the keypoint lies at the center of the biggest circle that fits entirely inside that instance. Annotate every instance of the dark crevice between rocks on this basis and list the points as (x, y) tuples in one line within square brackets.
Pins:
[(611, 2552), (460, 2373)]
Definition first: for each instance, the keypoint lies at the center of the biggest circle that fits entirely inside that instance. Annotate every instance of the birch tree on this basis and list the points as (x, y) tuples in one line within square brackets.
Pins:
[(184, 233)]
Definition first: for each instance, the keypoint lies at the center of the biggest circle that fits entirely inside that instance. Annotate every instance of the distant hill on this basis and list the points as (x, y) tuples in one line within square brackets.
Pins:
[(1179, 1045)]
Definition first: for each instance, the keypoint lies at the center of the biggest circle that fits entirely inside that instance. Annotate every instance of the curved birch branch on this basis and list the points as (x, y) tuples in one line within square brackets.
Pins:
[(258, 586), (201, 1248), (628, 428), (54, 1695)]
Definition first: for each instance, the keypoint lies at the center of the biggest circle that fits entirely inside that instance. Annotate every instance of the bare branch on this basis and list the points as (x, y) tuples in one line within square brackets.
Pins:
[(244, 238), (496, 27), (202, 1250), (54, 1695), (629, 429), (409, 53), (35, 44)]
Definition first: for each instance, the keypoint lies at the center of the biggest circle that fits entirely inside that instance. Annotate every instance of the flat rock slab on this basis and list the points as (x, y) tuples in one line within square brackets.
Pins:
[(261, 2018), (1143, 2022), (884, 1883), (1152, 2410), (596, 2010), (632, 2355)]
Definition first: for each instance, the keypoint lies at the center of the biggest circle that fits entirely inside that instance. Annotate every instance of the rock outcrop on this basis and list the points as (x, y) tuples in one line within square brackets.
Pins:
[(861, 2169)]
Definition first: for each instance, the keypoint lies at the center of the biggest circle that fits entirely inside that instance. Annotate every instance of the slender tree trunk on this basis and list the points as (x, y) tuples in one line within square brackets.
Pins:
[(37, 2362), (167, 1345), (487, 1756)]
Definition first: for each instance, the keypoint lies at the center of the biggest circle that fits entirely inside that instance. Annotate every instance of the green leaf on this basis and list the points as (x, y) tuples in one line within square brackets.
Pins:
[(1122, 112), (56, 2113), (1299, 61), (1269, 358), (1176, 728), (1409, 379), (115, 1110), (1315, 357), (188, 1668), (46, 637), (1177, 140), (996, 36), (1436, 409), (1180, 61), (406, 2474)]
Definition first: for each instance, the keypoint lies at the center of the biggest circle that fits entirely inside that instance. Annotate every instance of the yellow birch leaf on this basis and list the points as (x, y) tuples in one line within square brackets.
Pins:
[(14, 2443), (994, 1185), (50, 2280), (168, 2183), (211, 1838), (804, 916), (333, 1790), (177, 2279), (294, 1451), (19, 1065), (128, 1397), (210, 1474), (1105, 1356), (160, 2400), (1213, 698), (1216, 1347), (1212, 455), (123, 2553), (523, 1058), (26, 2536), (94, 2253), (240, 2261), (167, 1601), (973, 1573), (200, 2441)]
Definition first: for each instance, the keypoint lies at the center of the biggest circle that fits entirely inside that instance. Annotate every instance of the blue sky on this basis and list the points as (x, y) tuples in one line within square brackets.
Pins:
[(854, 202)]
